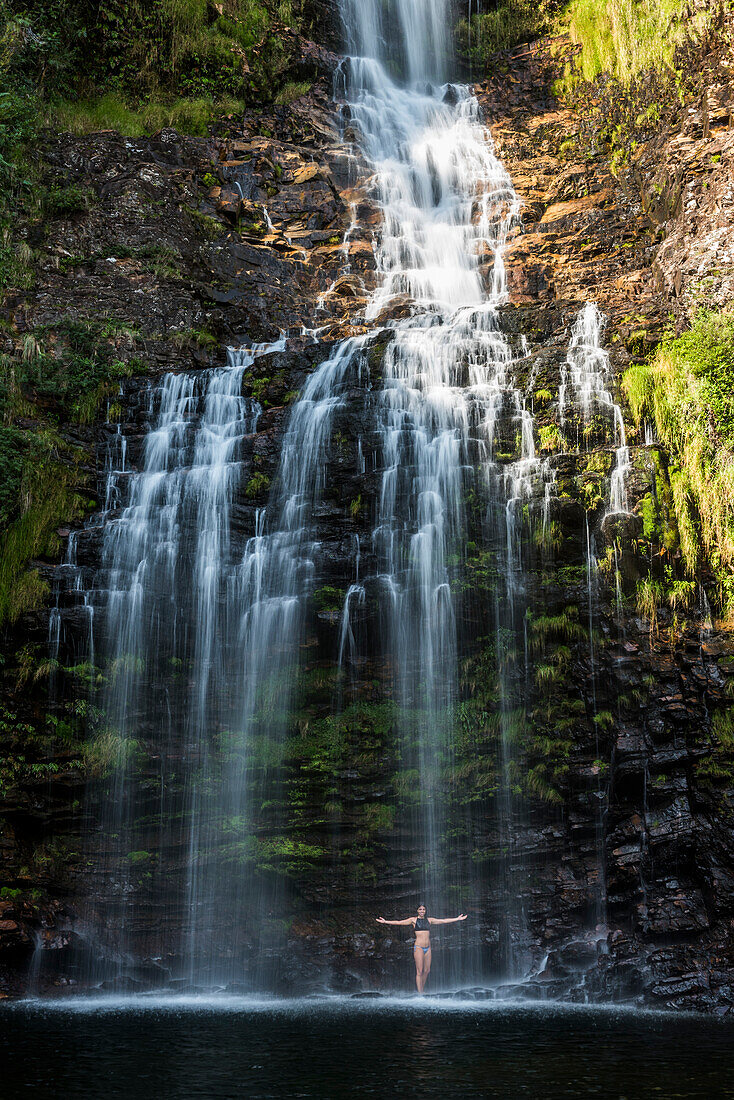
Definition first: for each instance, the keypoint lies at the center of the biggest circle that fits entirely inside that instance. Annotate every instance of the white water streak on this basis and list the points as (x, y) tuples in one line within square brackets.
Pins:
[(588, 370)]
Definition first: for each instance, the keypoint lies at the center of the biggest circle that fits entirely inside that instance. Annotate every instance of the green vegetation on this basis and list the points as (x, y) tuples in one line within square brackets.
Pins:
[(26, 752), (54, 377), (591, 485), (561, 627), (292, 91), (657, 508), (547, 737), (652, 594), (528, 744), (548, 537), (331, 747), (258, 388), (378, 818), (624, 37), (107, 752), (509, 22), (551, 438), (46, 498), (687, 390), (279, 854), (258, 485), (75, 739), (138, 858), (329, 600), (68, 374), (717, 769), (481, 573), (112, 112), (621, 38), (137, 66), (475, 776), (18, 769), (639, 66)]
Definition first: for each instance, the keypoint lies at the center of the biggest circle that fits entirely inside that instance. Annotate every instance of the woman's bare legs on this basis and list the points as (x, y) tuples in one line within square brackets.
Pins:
[(422, 967), (418, 960), (426, 968)]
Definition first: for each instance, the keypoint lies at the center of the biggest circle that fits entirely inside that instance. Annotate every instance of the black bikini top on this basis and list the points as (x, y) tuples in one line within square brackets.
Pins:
[(422, 925)]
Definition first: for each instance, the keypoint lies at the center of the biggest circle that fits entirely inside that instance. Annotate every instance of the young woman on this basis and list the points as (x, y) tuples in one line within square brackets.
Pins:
[(422, 946)]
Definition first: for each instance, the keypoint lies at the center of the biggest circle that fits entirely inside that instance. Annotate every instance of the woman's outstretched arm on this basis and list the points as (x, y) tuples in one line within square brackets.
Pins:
[(446, 920), (408, 920)]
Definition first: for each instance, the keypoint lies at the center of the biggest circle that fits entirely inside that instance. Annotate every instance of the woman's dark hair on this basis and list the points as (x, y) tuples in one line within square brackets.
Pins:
[(422, 906)]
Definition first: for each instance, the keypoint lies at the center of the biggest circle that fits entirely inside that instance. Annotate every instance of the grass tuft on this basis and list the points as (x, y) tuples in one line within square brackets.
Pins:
[(111, 112)]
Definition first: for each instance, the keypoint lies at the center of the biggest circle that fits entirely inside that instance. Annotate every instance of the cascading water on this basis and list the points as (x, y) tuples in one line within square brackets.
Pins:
[(181, 604), (408, 34), (587, 364), (447, 405), (165, 588), (587, 375)]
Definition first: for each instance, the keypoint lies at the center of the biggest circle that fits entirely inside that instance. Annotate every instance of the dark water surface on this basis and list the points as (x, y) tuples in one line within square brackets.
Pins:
[(161, 1048)]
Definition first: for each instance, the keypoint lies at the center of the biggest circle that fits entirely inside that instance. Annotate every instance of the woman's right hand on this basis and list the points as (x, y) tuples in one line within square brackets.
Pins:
[(380, 920)]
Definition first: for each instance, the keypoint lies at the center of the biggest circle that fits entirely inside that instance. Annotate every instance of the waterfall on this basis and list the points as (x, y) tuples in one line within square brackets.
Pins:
[(448, 407), (164, 589), (412, 35), (183, 603)]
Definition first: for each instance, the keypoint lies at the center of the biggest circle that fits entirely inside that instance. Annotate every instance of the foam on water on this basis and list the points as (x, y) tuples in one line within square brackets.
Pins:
[(328, 1004)]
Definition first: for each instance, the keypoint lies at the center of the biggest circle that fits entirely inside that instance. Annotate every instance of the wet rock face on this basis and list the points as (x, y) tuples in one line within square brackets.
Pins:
[(667, 822), (623, 859)]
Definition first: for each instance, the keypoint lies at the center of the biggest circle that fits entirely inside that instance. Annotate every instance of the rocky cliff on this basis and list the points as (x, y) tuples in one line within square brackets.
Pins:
[(155, 253)]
